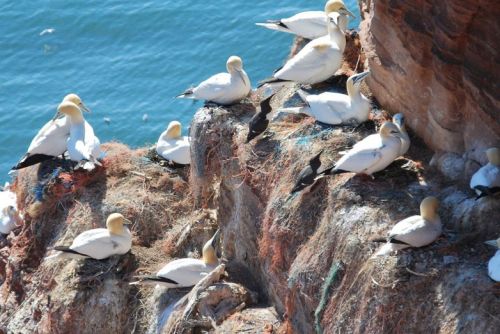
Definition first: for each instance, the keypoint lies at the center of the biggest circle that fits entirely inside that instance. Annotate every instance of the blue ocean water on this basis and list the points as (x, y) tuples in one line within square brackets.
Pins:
[(126, 59)]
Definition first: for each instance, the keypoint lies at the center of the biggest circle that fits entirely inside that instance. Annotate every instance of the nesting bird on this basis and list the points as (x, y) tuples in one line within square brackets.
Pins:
[(372, 154), (415, 231), (9, 215), (310, 24), (319, 59), (82, 145), (494, 262), (486, 181), (99, 243), (50, 141), (186, 272), (399, 120), (259, 122), (308, 174), (336, 108), (223, 88), (172, 146)]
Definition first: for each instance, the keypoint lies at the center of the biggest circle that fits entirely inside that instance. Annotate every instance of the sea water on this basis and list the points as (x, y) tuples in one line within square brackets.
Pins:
[(126, 59)]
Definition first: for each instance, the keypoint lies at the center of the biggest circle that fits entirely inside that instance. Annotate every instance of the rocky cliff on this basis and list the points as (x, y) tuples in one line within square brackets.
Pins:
[(293, 263), (437, 62)]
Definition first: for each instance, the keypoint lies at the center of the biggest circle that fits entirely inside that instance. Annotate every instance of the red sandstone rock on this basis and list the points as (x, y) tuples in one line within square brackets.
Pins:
[(438, 63)]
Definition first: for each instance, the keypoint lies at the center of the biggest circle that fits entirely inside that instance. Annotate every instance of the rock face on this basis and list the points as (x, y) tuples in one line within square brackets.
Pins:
[(437, 62)]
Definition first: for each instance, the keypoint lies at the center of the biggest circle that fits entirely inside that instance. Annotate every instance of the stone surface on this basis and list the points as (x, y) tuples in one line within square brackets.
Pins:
[(437, 62)]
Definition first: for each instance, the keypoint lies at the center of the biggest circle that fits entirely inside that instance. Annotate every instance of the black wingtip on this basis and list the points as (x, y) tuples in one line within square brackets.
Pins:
[(159, 279), (378, 239), (30, 160), (66, 249), (269, 81), (187, 92)]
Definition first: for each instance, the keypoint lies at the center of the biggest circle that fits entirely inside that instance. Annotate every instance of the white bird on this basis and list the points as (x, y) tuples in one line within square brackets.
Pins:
[(223, 88), (414, 231), (372, 154), (186, 272), (83, 146), (318, 60), (99, 243), (494, 263), (486, 181), (173, 146), (51, 140), (310, 24), (336, 108), (399, 120), (9, 215)]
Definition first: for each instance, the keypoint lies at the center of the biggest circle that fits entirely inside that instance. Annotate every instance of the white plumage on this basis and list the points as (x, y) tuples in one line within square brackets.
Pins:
[(399, 120), (487, 179), (223, 88), (186, 272), (494, 262), (310, 24), (372, 154), (173, 146), (415, 231), (83, 146), (335, 108), (99, 243), (319, 59), (9, 216)]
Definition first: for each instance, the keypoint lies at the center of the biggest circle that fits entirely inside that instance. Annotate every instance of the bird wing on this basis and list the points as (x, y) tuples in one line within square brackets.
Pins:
[(310, 24), (176, 150), (214, 87), (51, 139), (328, 107), (97, 243), (305, 64), (494, 267), (186, 272), (359, 161), (415, 231), (488, 176)]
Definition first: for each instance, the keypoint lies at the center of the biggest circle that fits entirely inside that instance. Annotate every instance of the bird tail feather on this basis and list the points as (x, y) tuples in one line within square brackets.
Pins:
[(188, 94), (303, 95), (297, 110), (273, 26), (389, 248)]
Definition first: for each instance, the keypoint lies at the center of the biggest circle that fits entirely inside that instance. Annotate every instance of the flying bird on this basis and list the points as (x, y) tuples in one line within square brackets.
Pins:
[(186, 272), (310, 24), (259, 122), (98, 243), (415, 231), (223, 88)]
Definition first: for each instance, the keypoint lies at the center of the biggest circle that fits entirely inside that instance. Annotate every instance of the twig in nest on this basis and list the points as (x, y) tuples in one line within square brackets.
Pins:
[(417, 274), (140, 174), (391, 285)]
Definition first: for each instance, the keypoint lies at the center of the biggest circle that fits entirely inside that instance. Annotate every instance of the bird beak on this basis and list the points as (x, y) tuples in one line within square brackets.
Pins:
[(361, 76), (346, 11), (127, 221), (85, 108), (216, 238), (492, 243)]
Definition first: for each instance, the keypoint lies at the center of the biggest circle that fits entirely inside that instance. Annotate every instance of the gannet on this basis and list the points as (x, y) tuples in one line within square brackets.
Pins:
[(99, 243), (399, 120), (372, 154), (259, 122), (414, 231), (308, 174), (223, 88), (9, 215), (311, 24), (186, 272), (494, 263), (83, 146), (51, 140), (335, 108), (486, 181), (173, 146), (318, 60)]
